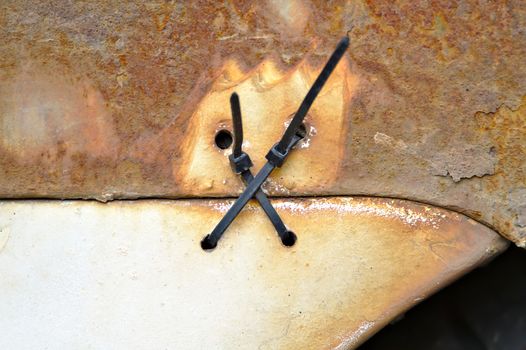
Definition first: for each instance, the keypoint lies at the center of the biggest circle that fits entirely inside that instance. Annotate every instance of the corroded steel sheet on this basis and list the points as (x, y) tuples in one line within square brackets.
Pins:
[(131, 274), (109, 100)]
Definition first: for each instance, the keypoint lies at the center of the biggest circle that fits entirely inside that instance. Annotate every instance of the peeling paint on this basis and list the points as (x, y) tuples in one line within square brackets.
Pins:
[(464, 162)]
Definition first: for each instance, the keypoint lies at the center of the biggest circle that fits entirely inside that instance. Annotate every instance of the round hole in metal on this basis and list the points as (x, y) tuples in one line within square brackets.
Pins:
[(223, 139), (289, 239)]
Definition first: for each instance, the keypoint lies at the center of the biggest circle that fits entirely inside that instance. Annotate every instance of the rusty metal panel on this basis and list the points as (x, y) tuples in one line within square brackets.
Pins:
[(100, 99), (131, 274)]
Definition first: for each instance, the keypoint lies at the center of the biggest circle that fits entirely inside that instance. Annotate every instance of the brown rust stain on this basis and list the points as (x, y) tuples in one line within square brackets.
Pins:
[(117, 93), (507, 130), (51, 111)]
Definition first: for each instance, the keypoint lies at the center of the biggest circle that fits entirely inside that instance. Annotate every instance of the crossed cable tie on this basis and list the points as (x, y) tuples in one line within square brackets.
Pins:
[(241, 163)]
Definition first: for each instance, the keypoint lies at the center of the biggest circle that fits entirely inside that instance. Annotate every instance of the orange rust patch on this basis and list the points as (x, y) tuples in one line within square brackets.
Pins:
[(44, 110), (204, 169)]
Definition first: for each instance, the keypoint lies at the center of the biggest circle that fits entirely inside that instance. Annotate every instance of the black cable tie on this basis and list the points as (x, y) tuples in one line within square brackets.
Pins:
[(241, 164), (235, 109), (312, 94), (290, 138)]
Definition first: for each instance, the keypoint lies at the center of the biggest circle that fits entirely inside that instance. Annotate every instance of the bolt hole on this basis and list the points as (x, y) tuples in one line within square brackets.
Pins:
[(302, 130), (289, 239), (206, 244), (223, 139)]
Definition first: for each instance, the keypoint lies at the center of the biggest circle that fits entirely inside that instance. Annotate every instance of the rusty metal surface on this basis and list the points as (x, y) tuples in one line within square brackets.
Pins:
[(82, 274), (99, 99)]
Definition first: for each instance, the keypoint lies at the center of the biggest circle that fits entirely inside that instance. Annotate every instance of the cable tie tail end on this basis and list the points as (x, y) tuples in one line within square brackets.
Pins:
[(207, 243)]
